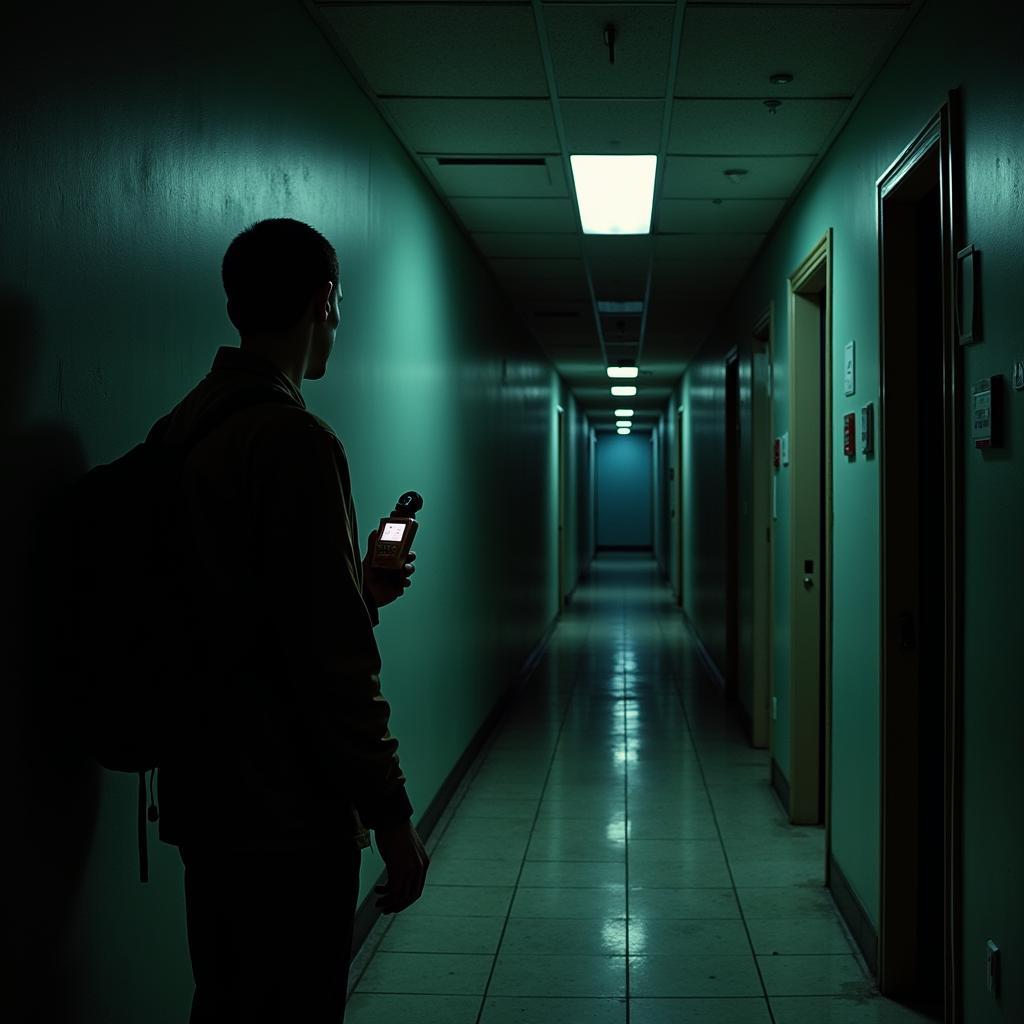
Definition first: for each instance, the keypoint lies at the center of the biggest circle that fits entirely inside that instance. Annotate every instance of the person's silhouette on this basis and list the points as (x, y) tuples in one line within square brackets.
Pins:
[(281, 756)]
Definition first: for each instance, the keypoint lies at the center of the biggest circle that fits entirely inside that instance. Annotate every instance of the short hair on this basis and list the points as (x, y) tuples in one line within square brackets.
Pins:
[(270, 272)]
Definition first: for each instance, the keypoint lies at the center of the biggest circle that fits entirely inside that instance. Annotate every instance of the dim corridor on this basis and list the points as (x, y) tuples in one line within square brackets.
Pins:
[(617, 855)]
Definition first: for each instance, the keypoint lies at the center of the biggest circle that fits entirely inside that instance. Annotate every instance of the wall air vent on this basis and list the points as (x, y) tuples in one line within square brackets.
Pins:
[(490, 161)]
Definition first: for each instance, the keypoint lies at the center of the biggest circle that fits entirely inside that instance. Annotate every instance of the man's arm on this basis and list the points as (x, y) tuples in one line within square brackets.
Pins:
[(325, 630)]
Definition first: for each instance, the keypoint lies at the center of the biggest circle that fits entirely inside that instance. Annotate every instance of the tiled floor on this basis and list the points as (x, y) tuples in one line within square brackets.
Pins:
[(618, 855)]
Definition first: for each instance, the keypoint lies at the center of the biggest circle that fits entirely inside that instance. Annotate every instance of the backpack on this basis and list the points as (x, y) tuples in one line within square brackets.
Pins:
[(131, 631)]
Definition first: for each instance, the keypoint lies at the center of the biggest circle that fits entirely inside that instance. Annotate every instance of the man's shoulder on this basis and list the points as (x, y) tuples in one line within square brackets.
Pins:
[(289, 426)]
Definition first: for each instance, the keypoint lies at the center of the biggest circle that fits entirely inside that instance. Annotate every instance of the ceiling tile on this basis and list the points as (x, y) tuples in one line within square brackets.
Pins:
[(421, 49), (581, 59), (622, 283), (682, 276), (501, 127), (610, 253), (698, 247), (511, 246), (746, 126), (745, 216), (621, 330), (513, 215), (536, 291), (612, 126), (495, 176), (569, 270), (830, 50), (767, 177)]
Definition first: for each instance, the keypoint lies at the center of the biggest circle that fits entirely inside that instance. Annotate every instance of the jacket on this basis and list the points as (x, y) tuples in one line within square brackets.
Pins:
[(280, 729)]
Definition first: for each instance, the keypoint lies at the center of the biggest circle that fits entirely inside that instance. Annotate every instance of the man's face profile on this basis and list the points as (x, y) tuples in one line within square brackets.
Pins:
[(323, 337)]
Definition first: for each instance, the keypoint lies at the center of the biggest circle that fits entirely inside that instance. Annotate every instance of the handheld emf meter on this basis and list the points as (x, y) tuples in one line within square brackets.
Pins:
[(396, 532)]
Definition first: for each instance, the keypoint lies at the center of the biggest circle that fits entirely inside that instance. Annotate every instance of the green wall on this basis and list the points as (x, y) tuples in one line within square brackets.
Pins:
[(975, 47), (135, 149)]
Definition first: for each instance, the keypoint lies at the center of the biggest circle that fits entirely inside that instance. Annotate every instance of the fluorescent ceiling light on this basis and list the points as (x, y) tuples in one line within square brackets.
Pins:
[(623, 423), (624, 412), (608, 308), (624, 390), (623, 371), (623, 430), (615, 193)]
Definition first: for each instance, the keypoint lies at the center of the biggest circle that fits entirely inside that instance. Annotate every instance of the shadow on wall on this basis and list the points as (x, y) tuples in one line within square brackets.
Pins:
[(49, 785)]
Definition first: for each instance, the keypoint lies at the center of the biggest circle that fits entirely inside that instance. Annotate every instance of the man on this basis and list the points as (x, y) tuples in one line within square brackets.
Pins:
[(282, 757)]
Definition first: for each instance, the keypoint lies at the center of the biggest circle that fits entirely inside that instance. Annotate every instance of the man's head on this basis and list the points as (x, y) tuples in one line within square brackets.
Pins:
[(281, 280)]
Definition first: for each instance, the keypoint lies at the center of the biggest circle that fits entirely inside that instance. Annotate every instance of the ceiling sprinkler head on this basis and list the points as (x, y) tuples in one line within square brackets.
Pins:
[(780, 78), (735, 174), (772, 105)]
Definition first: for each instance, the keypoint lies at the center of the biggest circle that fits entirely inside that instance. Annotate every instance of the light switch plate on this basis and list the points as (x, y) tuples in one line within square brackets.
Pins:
[(850, 369), (1018, 375), (785, 449)]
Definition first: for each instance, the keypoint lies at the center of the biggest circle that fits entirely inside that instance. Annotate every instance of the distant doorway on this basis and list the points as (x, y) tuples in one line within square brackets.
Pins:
[(733, 639), (761, 539), (920, 469), (560, 600), (805, 789), (680, 525), (624, 492)]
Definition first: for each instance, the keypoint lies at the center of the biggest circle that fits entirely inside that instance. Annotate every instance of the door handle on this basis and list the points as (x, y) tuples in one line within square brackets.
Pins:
[(808, 582), (905, 632)]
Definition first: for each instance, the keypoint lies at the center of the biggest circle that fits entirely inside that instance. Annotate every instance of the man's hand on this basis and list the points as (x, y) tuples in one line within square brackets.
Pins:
[(386, 585), (406, 862)]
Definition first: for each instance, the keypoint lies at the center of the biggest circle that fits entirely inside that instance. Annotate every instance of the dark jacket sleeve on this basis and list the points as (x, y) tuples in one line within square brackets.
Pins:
[(313, 569)]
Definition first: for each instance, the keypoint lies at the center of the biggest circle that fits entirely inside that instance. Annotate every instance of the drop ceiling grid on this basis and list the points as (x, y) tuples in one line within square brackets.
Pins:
[(466, 79)]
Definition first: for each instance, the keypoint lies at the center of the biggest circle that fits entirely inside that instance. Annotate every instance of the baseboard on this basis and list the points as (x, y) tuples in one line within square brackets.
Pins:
[(625, 547), (705, 655), (366, 913), (854, 914), (780, 784)]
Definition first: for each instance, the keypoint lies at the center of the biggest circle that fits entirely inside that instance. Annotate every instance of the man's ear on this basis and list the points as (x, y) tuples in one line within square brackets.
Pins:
[(322, 301)]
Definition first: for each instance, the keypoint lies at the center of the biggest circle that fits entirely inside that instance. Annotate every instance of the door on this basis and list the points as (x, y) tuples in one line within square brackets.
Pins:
[(732, 526), (679, 505), (810, 414), (560, 601), (761, 541), (919, 453)]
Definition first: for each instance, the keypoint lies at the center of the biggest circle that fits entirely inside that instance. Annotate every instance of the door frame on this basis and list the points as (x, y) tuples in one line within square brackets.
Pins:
[(812, 277), (761, 441), (939, 140), (733, 522), (560, 533), (680, 421)]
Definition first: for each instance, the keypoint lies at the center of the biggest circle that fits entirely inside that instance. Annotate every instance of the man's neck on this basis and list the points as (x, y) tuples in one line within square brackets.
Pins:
[(287, 352)]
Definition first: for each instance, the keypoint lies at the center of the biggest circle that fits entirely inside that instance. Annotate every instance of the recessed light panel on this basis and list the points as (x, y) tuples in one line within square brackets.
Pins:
[(615, 193), (623, 430), (624, 390), (625, 413), (623, 371)]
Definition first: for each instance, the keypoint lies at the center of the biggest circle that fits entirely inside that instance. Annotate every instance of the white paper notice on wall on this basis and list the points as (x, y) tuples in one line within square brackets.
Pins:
[(850, 369)]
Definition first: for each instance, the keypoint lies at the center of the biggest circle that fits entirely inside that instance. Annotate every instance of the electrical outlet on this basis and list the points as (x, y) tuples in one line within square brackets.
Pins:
[(775, 709), (992, 967)]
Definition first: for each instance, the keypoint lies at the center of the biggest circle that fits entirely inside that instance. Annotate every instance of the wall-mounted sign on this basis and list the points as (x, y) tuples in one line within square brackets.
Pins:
[(986, 412), (850, 369), (968, 299)]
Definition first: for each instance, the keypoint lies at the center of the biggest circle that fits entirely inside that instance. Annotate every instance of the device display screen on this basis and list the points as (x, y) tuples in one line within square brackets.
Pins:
[(393, 531)]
